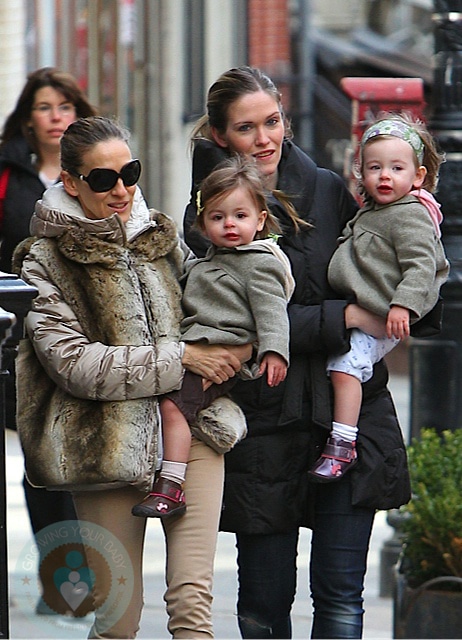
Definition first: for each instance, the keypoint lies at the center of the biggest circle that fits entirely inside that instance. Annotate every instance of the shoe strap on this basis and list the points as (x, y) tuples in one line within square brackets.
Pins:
[(337, 452), (167, 489)]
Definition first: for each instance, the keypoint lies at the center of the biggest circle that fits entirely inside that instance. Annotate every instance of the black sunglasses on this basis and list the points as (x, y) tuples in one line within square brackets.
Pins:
[(100, 180)]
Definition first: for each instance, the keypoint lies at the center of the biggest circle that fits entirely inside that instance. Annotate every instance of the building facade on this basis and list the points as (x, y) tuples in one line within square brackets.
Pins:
[(150, 62)]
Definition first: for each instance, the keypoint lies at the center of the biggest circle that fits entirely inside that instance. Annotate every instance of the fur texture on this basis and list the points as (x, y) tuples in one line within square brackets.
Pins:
[(121, 296), (221, 425)]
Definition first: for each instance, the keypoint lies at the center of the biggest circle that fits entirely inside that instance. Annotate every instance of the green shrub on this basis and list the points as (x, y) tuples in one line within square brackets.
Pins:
[(432, 523)]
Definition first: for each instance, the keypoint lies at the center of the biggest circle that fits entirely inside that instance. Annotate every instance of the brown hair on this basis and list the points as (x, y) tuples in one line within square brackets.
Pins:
[(238, 171), (83, 134), (17, 122), (230, 86)]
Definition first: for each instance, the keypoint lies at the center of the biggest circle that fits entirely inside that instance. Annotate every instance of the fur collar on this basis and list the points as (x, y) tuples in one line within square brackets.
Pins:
[(58, 211)]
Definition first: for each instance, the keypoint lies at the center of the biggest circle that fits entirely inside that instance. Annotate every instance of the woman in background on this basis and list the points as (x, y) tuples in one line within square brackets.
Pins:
[(29, 164), (29, 148)]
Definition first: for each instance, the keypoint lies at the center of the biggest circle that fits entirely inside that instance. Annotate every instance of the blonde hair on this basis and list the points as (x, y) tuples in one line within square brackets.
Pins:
[(432, 156)]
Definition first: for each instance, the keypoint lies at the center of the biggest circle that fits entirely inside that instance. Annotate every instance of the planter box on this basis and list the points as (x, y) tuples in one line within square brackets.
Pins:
[(425, 612)]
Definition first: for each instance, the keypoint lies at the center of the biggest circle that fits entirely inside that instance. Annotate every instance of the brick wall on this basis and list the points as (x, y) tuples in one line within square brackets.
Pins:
[(269, 40)]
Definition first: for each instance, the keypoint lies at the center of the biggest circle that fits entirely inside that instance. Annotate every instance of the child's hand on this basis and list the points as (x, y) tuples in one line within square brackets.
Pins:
[(275, 367), (398, 323)]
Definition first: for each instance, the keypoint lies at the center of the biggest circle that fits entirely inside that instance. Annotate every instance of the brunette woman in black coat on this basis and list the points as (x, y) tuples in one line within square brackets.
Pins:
[(267, 492)]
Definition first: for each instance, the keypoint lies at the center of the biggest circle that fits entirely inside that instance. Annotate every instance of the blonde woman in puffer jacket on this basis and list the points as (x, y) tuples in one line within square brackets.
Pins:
[(102, 343)]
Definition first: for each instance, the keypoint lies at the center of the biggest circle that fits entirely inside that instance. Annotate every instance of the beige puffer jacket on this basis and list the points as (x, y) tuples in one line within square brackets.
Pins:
[(105, 334)]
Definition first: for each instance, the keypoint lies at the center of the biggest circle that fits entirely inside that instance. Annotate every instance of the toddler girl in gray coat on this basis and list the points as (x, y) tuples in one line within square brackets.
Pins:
[(391, 260), (237, 294)]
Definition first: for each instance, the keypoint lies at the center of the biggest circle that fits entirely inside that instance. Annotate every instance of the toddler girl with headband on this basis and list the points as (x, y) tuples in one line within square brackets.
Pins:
[(390, 260)]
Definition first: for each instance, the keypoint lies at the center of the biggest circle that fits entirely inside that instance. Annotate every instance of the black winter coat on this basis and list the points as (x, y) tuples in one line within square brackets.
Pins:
[(266, 485), (24, 189)]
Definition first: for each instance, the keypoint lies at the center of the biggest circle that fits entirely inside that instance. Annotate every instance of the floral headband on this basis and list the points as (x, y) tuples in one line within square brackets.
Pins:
[(398, 129)]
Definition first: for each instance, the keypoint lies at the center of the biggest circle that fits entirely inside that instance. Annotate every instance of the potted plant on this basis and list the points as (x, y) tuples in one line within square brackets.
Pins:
[(428, 586)]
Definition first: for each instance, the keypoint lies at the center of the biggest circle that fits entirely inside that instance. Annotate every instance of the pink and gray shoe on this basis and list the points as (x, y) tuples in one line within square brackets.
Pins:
[(338, 457)]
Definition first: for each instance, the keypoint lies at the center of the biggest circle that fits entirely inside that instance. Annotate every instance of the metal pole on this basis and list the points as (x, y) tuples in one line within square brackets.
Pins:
[(436, 364), (7, 320), (16, 296), (307, 74)]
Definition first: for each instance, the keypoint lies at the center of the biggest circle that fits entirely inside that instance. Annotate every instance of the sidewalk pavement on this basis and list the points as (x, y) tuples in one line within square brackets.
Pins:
[(25, 624)]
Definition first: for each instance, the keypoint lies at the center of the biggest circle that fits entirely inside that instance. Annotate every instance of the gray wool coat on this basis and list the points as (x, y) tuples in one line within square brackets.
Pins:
[(390, 255), (238, 296)]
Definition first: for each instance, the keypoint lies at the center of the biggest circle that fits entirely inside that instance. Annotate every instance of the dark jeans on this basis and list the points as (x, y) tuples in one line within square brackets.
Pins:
[(267, 571), (47, 507), (267, 581), (339, 548)]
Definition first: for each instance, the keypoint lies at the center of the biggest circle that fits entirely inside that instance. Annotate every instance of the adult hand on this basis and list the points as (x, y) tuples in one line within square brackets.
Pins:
[(215, 362), (358, 318)]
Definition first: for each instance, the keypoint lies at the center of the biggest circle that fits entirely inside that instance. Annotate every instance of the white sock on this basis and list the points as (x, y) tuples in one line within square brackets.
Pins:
[(175, 471), (344, 431)]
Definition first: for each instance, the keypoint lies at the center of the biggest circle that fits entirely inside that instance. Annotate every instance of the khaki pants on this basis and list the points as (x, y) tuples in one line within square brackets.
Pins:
[(191, 545)]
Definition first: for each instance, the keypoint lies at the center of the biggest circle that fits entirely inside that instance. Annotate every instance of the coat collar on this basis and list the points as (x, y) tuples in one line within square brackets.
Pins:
[(57, 212)]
